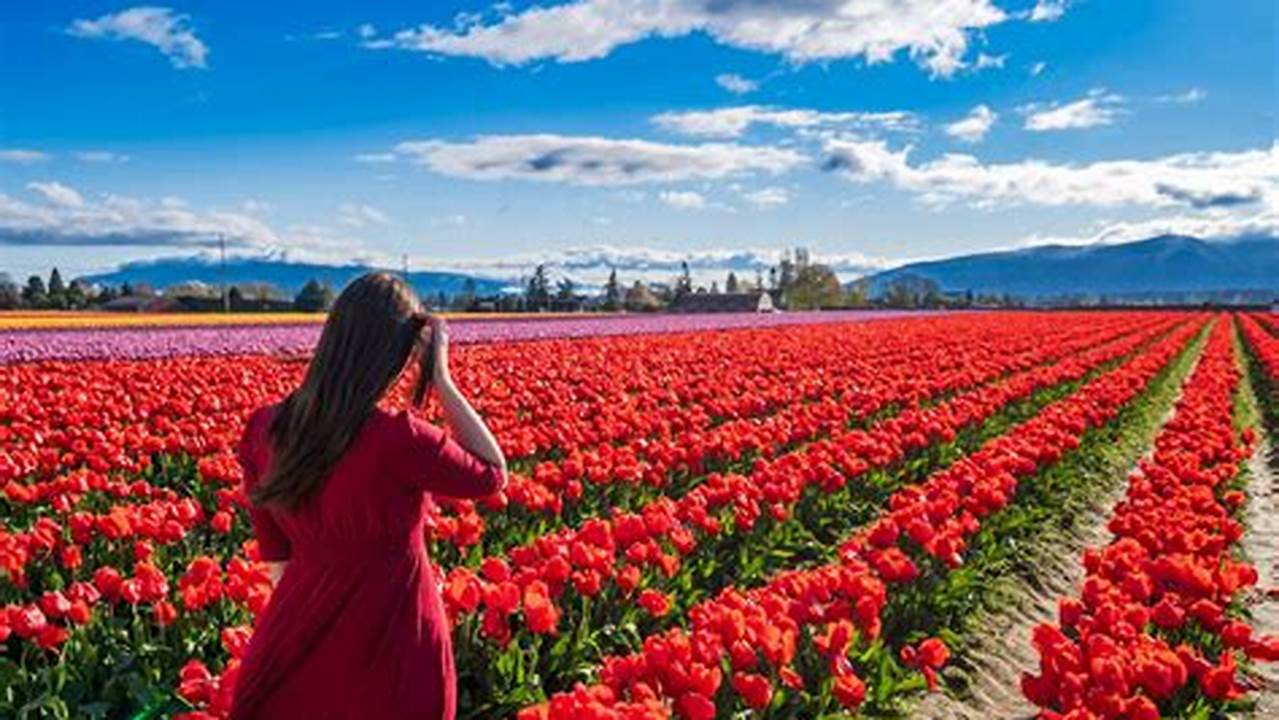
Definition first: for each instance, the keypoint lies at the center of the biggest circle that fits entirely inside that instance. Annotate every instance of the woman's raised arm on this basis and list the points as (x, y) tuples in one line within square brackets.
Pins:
[(466, 426)]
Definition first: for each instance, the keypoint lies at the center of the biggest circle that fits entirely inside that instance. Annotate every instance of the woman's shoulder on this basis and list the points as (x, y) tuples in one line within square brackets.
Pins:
[(394, 422), (260, 419), (257, 426), (252, 449), (401, 427)]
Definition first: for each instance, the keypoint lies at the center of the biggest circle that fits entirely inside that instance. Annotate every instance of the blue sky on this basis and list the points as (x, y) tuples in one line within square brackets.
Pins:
[(634, 133)]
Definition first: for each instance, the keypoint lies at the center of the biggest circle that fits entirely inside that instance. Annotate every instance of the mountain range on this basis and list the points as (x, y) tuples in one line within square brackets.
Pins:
[(1168, 266), (1163, 265)]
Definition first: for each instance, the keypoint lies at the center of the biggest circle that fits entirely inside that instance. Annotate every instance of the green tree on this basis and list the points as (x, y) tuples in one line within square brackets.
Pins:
[(10, 293), (538, 293), (566, 289), (786, 272), (910, 291), (684, 283), (814, 286), (57, 293), (612, 293), (640, 299), (106, 295), (465, 300), (859, 293), (313, 297), (34, 294), (77, 295)]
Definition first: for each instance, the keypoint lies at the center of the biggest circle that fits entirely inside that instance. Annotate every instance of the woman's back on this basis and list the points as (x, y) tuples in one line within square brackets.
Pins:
[(356, 627)]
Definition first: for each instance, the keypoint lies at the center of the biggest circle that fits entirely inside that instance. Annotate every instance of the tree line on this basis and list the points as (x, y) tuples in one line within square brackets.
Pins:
[(796, 282), (57, 294)]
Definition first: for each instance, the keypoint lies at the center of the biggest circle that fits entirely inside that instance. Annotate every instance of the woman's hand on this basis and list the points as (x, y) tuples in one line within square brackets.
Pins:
[(275, 571)]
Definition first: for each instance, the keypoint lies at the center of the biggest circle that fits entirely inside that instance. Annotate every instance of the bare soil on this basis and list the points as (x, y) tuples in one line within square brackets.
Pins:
[(1261, 546), (1003, 650)]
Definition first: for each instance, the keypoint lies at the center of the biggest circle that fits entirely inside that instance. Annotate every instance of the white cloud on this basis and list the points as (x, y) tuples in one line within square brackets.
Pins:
[(382, 157), (23, 157), (99, 156), (1196, 180), (973, 128), (1189, 97), (360, 215), (116, 220), (57, 193), (1048, 10), (933, 33), (156, 26), (683, 199), (588, 160), (1210, 225), (591, 264), (63, 217), (1097, 109), (767, 197), (366, 31), (735, 121), (736, 84), (1037, 68)]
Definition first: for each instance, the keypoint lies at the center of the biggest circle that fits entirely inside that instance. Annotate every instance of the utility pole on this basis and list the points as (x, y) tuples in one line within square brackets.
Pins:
[(226, 299)]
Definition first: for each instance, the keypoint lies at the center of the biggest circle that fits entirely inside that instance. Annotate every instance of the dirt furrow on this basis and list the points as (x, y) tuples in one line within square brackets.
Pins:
[(1002, 650), (1261, 545)]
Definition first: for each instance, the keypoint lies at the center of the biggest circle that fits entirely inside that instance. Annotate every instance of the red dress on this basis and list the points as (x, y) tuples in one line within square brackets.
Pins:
[(356, 627)]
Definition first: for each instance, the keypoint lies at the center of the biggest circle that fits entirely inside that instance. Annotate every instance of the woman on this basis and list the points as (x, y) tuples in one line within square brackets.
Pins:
[(356, 627)]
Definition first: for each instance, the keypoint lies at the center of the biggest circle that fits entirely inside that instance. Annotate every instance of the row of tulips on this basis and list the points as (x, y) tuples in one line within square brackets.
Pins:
[(807, 632), (156, 551), (1269, 320), (56, 418), (659, 547), (104, 508), (1151, 633), (511, 592), (108, 417), (63, 438), (1262, 337), (600, 573), (62, 415), (675, 458)]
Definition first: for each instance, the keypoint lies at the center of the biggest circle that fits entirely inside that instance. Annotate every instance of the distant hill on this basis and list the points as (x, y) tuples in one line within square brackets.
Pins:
[(1168, 265), (287, 275)]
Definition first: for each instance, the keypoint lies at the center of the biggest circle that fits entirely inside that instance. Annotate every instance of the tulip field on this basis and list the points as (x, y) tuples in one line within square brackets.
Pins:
[(802, 515)]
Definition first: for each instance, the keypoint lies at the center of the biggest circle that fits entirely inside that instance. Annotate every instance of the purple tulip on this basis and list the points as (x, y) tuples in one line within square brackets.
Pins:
[(136, 343)]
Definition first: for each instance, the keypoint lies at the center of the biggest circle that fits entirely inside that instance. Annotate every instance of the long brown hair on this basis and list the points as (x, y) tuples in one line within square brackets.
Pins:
[(369, 336)]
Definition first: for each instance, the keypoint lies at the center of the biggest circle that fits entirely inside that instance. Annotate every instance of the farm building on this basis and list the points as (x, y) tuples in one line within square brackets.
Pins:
[(760, 302)]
